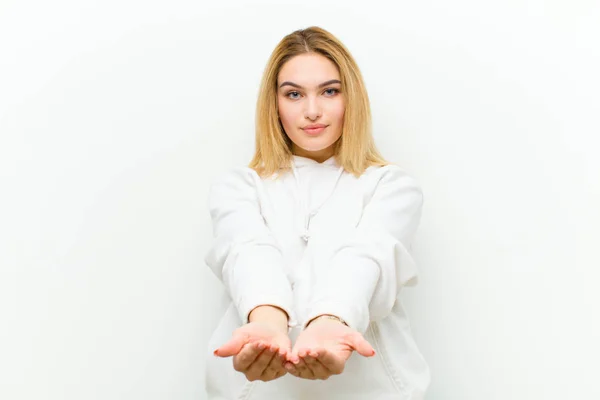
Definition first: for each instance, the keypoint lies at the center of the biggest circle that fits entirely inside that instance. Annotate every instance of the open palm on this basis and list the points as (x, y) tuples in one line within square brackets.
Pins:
[(323, 348), (259, 351)]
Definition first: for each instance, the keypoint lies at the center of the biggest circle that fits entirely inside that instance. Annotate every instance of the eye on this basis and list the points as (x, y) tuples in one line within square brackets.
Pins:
[(292, 93), (332, 91)]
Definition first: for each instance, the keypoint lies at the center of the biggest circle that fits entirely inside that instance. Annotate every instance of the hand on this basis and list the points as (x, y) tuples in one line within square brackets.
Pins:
[(323, 348), (259, 349)]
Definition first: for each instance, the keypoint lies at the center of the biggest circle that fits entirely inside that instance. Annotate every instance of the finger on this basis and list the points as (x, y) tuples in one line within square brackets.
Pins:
[(330, 361), (281, 360), (275, 368), (302, 368), (291, 363), (317, 368), (295, 355), (246, 356), (232, 347), (278, 375), (293, 358), (360, 344), (257, 368), (291, 368), (284, 352)]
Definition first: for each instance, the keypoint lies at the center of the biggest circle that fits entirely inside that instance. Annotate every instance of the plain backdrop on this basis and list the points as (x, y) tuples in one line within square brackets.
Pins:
[(116, 115)]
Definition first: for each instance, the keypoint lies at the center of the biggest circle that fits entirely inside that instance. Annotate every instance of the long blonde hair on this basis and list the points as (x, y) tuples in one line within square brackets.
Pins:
[(355, 150)]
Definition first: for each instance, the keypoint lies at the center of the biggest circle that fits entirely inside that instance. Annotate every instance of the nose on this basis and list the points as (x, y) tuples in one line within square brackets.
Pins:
[(313, 108)]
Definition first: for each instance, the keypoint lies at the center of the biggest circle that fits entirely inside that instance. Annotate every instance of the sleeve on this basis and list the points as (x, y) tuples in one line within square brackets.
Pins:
[(245, 255), (361, 270)]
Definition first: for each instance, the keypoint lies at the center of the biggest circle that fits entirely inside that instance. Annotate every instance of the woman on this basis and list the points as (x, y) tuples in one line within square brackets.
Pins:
[(311, 243)]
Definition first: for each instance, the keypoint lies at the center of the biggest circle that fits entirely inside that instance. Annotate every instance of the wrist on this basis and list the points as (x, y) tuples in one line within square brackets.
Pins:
[(326, 318), (270, 315)]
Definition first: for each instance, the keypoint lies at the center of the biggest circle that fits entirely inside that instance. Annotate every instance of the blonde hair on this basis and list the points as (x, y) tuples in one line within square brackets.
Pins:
[(355, 150)]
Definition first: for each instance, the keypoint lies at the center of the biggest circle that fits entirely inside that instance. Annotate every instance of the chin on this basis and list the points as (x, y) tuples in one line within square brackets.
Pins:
[(314, 143), (316, 147)]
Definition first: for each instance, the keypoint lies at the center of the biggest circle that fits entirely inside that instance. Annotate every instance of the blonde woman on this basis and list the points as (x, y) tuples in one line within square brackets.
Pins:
[(312, 243)]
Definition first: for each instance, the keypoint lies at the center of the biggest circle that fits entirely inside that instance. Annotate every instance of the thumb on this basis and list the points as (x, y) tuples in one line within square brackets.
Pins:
[(232, 347), (361, 345)]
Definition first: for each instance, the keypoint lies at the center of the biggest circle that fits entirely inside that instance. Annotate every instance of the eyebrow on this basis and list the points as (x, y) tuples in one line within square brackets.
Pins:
[(329, 82)]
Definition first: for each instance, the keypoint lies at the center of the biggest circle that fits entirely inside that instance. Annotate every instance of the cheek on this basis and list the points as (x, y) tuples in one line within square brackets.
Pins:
[(287, 115), (337, 112)]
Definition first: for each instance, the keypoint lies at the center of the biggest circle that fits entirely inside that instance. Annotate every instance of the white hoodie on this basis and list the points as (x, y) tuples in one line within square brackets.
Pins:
[(319, 241)]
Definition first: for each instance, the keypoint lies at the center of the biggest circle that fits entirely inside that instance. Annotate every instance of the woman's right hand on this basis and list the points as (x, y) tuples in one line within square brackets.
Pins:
[(259, 349)]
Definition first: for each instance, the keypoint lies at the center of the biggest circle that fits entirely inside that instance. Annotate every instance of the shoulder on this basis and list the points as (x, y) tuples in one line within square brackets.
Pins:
[(233, 184), (392, 177), (237, 177)]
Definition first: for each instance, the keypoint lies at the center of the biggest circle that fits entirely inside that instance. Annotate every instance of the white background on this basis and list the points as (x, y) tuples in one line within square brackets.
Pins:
[(115, 116)]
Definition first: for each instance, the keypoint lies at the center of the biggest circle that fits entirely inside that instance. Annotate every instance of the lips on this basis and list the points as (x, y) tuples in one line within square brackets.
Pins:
[(314, 129), (313, 126)]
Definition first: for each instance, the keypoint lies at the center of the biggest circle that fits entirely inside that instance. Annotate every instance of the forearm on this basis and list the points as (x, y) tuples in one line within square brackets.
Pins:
[(345, 290), (256, 278)]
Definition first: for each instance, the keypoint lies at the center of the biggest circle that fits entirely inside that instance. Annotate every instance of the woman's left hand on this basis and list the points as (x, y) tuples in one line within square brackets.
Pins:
[(323, 348)]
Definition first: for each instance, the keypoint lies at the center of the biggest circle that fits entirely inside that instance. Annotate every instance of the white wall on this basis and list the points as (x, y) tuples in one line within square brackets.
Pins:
[(115, 115)]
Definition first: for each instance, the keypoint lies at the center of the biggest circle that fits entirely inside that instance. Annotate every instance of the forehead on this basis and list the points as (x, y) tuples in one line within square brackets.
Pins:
[(308, 69)]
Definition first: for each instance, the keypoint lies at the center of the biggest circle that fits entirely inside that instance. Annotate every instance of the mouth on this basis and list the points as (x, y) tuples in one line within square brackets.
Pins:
[(315, 129)]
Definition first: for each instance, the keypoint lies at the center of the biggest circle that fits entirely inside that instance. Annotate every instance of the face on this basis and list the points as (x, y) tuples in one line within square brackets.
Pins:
[(311, 105)]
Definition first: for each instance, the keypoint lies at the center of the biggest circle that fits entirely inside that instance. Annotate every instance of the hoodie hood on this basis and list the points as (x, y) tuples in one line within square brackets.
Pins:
[(303, 189), (299, 161)]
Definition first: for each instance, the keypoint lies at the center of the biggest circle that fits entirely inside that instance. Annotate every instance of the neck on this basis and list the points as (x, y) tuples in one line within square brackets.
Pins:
[(319, 155)]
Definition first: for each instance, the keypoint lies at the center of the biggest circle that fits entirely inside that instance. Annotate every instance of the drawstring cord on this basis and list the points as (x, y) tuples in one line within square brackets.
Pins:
[(305, 235)]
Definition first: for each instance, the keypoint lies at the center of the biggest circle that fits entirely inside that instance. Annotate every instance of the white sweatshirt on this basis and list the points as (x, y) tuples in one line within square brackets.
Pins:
[(319, 241)]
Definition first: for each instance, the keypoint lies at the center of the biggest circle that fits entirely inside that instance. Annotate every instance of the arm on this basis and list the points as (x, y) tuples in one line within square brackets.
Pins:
[(248, 260), (245, 256), (363, 270)]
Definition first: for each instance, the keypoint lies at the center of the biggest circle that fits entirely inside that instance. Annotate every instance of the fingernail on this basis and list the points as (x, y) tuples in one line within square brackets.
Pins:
[(314, 354), (261, 346), (216, 352)]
